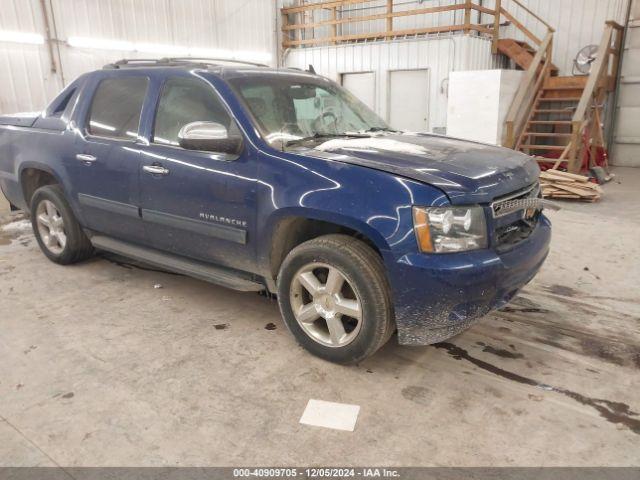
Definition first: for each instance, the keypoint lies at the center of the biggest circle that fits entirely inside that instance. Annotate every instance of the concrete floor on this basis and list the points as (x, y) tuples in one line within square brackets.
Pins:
[(99, 368)]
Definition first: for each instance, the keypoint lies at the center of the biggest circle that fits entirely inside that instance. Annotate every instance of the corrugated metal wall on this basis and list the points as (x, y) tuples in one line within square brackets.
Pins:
[(27, 83), (577, 22), (26, 80), (441, 55)]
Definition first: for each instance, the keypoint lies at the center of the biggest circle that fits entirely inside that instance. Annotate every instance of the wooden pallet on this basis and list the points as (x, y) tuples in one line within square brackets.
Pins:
[(563, 185)]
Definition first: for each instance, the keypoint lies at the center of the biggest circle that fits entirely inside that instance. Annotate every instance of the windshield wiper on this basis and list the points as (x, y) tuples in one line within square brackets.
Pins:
[(381, 129), (320, 136)]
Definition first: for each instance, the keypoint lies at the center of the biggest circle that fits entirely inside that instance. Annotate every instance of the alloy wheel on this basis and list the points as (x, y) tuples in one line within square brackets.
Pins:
[(51, 227), (326, 305)]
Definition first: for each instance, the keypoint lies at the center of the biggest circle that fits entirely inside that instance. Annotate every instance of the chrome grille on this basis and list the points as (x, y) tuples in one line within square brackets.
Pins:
[(523, 200)]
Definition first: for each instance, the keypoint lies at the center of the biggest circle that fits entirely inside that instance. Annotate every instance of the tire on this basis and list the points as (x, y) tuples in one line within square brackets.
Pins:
[(49, 203), (332, 259)]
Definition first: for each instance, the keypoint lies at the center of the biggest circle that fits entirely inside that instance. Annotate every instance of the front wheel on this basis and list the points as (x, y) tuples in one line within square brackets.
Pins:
[(335, 298)]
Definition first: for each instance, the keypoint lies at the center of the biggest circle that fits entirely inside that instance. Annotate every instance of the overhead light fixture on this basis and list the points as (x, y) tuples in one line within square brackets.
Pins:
[(21, 37), (100, 44), (167, 50)]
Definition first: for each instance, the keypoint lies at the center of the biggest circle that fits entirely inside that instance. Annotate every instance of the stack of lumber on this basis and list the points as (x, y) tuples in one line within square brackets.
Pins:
[(557, 184)]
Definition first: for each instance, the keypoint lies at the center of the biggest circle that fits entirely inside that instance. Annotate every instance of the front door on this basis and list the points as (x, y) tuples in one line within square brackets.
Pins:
[(195, 203), (105, 167)]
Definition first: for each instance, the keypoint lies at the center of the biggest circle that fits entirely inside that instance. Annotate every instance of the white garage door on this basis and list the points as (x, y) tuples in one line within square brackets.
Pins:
[(363, 86), (409, 100)]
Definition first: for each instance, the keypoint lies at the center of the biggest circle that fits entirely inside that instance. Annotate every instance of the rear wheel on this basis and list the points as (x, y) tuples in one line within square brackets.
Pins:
[(57, 231), (334, 297)]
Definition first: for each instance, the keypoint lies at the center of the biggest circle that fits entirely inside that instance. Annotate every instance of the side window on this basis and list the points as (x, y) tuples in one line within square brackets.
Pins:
[(116, 107), (187, 100), (262, 103)]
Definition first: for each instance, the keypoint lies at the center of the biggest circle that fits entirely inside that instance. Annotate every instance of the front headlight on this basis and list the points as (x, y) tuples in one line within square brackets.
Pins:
[(450, 229)]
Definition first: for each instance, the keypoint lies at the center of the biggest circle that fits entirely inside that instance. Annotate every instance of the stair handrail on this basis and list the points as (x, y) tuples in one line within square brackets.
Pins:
[(534, 15), (530, 84), (598, 79)]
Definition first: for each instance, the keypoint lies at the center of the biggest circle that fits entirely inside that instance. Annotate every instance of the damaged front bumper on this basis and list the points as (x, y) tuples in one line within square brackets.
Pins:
[(439, 296)]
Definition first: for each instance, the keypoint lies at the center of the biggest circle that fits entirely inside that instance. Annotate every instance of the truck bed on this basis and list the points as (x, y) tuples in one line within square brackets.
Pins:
[(23, 119)]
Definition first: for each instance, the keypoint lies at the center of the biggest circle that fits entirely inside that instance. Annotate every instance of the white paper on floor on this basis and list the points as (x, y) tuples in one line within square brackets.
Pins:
[(339, 416)]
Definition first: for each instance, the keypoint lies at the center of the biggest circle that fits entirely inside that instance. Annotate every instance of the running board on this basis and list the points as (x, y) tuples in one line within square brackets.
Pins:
[(219, 275)]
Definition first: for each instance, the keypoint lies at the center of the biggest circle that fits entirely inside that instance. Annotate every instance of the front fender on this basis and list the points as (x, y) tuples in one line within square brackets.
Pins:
[(373, 203), (314, 213)]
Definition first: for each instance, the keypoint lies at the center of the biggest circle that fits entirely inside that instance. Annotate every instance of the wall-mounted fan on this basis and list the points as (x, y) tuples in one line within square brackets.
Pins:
[(584, 59)]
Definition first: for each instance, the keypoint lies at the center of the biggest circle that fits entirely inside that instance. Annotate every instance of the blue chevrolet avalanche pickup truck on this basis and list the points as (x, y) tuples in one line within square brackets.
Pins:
[(279, 180)]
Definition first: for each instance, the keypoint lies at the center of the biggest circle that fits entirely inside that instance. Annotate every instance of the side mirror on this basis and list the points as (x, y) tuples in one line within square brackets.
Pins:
[(209, 137)]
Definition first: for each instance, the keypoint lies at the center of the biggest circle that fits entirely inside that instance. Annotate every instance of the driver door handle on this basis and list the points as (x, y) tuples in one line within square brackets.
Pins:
[(156, 169), (83, 157)]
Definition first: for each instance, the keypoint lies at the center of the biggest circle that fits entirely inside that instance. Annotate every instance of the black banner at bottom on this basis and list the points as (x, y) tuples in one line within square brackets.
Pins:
[(404, 473)]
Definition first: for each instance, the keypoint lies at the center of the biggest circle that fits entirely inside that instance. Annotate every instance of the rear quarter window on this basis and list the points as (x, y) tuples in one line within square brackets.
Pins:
[(116, 107)]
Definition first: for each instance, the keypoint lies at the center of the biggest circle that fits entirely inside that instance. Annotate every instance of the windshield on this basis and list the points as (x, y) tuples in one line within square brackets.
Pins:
[(293, 110)]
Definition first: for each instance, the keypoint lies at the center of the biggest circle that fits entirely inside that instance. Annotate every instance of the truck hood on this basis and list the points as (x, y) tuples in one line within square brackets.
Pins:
[(468, 172)]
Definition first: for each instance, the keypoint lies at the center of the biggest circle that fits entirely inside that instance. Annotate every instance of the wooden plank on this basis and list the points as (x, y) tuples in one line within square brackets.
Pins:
[(547, 134), (520, 26), (614, 24), (334, 27), (550, 122), (533, 79), (560, 99), (480, 8), (373, 36), (534, 15), (550, 176), (597, 70), (496, 28), (576, 191), (562, 157), (565, 111), (320, 5), (389, 15), (378, 16), (543, 147), (579, 178), (467, 16), (575, 160), (617, 47), (573, 83), (481, 29), (528, 80), (529, 118)]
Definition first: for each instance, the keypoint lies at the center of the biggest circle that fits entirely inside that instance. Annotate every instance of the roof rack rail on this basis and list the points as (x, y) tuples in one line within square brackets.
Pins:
[(213, 61), (176, 62)]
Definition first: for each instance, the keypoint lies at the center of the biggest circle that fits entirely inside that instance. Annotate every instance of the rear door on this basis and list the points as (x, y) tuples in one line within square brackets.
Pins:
[(202, 204), (104, 171), (409, 100)]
